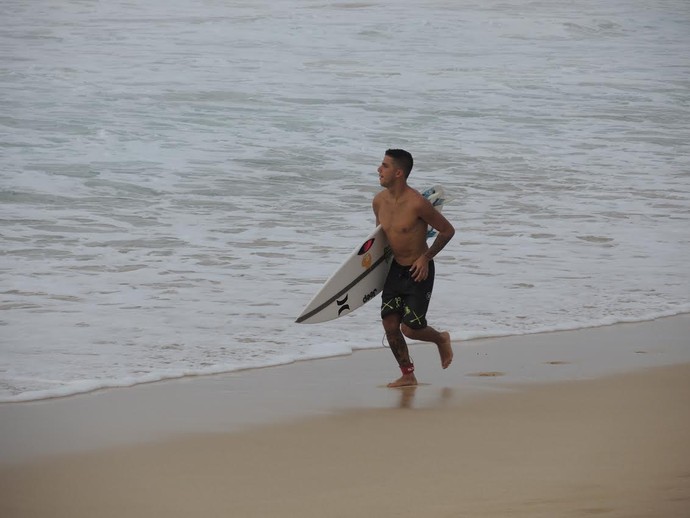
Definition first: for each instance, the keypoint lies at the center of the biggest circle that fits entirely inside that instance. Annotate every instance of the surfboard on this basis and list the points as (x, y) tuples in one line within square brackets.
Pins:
[(361, 276)]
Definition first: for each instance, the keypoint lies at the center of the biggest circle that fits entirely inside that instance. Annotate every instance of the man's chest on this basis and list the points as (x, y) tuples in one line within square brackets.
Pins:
[(399, 221)]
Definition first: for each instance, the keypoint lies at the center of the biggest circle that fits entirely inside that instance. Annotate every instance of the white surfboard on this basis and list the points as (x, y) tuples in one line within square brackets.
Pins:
[(361, 276)]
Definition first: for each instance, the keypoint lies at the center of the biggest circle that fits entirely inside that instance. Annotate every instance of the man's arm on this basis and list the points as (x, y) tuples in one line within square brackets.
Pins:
[(439, 243), (446, 231)]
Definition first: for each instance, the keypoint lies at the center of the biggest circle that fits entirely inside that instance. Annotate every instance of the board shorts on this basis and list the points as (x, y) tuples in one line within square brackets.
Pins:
[(407, 297)]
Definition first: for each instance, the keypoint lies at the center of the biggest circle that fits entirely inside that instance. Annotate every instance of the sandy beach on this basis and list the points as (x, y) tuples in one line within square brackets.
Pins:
[(585, 423)]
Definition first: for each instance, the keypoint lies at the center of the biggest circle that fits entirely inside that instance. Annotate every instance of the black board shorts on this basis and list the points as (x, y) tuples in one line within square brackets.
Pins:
[(407, 297)]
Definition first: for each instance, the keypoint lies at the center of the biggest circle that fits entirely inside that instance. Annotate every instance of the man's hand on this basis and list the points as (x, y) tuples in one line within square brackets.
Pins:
[(420, 269)]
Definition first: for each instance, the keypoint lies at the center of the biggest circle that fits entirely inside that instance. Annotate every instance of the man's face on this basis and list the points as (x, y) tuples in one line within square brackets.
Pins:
[(387, 171)]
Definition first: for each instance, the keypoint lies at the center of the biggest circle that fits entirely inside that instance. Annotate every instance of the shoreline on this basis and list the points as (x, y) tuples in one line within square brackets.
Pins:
[(244, 399), (39, 396)]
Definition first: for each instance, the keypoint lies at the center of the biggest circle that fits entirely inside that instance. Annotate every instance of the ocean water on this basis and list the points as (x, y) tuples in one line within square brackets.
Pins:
[(178, 178)]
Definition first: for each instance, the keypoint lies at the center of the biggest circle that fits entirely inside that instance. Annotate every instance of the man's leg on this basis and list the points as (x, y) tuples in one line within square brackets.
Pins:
[(429, 334), (396, 340)]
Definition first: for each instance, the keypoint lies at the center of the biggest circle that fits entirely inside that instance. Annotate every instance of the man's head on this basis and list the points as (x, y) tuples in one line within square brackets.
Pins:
[(402, 160)]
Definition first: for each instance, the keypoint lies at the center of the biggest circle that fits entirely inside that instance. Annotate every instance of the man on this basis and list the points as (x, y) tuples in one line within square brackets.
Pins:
[(404, 215)]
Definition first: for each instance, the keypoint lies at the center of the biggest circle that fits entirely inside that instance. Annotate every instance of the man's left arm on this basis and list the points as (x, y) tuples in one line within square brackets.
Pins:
[(446, 231), (442, 239)]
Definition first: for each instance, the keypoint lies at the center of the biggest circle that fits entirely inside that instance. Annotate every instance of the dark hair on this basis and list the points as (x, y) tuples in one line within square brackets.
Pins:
[(402, 159)]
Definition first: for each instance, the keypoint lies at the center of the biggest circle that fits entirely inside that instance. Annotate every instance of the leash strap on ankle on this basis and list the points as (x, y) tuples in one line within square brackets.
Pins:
[(407, 369)]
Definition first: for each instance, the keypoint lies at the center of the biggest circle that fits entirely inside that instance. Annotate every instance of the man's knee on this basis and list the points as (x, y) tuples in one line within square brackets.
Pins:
[(391, 323), (410, 331)]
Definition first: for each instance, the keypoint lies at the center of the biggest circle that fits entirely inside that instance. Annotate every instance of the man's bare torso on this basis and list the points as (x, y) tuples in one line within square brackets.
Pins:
[(405, 230)]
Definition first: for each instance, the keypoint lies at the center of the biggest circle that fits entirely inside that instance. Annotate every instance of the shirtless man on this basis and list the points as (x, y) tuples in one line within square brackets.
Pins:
[(404, 215)]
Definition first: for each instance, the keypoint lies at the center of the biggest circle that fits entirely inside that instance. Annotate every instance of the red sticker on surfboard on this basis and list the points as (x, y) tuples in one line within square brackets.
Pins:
[(366, 246)]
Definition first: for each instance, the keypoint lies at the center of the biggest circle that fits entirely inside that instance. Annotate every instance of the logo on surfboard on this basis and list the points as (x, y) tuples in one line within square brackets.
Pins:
[(342, 303), (370, 295), (366, 246)]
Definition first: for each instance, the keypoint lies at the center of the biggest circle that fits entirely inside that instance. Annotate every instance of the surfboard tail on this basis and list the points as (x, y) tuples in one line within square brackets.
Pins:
[(437, 196)]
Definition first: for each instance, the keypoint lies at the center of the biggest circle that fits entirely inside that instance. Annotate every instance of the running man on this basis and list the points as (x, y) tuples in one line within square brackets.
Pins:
[(404, 215)]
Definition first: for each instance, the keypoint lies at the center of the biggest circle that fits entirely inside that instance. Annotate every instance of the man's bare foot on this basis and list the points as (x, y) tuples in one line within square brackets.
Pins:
[(406, 380), (445, 350)]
